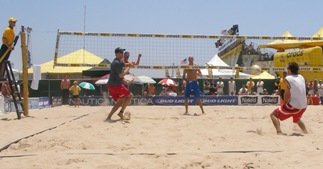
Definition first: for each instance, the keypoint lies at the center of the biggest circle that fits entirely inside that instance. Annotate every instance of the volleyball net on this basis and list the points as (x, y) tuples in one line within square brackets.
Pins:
[(157, 49), (166, 51)]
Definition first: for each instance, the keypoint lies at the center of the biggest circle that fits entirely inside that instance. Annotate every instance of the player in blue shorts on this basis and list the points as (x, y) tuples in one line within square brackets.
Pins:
[(190, 76)]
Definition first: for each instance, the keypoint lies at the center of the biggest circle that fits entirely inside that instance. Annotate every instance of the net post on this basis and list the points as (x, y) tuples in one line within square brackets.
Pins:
[(24, 70)]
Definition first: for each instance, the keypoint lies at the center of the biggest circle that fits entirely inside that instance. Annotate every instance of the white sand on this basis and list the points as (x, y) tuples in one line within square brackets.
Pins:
[(160, 137)]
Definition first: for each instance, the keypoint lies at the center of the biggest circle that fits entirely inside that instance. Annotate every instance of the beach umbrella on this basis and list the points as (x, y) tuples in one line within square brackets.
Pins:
[(87, 85), (167, 82), (143, 80), (103, 80), (129, 78)]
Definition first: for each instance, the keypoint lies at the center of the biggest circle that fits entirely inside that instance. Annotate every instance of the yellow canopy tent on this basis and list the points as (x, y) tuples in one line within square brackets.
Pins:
[(289, 43), (77, 57), (280, 41), (280, 44), (263, 75), (319, 33)]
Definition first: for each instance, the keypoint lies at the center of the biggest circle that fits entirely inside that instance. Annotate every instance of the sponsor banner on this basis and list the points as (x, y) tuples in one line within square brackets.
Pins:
[(220, 100), (258, 100), (161, 100), (92, 101), (207, 100), (145, 100), (33, 103), (101, 101)]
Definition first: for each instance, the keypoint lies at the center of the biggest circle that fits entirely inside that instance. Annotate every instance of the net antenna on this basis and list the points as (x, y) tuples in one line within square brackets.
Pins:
[(84, 28)]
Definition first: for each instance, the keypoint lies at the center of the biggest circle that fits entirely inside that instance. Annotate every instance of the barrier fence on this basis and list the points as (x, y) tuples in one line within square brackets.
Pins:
[(257, 100)]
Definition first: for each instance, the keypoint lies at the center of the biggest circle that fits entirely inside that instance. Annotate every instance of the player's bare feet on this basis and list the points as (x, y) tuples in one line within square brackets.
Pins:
[(120, 114), (108, 119)]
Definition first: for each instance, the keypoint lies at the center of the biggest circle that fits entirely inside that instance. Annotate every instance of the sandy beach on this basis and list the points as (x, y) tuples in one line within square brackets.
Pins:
[(227, 137)]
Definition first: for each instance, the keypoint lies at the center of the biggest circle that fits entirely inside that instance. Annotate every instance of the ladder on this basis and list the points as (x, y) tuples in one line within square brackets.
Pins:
[(15, 93)]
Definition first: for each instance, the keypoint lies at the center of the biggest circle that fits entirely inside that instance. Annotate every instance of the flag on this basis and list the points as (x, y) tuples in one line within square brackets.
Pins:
[(166, 73), (224, 32), (184, 61)]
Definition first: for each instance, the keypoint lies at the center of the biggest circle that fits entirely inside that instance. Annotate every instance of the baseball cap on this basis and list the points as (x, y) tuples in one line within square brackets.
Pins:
[(12, 19), (118, 50)]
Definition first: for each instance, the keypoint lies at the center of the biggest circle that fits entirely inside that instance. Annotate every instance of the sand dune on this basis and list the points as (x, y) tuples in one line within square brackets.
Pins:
[(159, 137)]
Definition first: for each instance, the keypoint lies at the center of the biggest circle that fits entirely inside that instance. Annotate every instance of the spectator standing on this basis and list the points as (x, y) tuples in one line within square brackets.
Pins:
[(277, 80), (310, 86), (206, 86), (219, 87), (320, 90), (260, 87), (75, 91), (316, 92), (232, 87), (282, 87), (250, 85), (65, 86)]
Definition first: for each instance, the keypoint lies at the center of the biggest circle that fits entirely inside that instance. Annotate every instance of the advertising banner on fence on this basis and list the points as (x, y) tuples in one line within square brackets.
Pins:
[(33, 103), (101, 101), (258, 100), (162, 100), (207, 100)]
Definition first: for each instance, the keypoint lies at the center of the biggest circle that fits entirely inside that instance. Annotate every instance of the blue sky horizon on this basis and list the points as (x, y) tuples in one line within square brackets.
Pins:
[(254, 17)]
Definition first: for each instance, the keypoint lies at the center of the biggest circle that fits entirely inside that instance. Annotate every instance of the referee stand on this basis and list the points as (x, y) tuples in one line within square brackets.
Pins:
[(16, 97), (21, 105), (15, 93)]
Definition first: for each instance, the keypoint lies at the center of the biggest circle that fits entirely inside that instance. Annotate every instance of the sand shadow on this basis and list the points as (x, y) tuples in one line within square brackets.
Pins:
[(112, 121), (6, 119), (9, 119), (195, 114), (297, 134)]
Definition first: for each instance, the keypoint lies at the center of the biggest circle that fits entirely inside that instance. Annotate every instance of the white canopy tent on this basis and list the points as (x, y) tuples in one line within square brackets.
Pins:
[(217, 61), (223, 73)]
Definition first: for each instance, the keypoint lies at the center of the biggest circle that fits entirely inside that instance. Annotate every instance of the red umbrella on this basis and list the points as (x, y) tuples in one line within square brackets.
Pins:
[(167, 82)]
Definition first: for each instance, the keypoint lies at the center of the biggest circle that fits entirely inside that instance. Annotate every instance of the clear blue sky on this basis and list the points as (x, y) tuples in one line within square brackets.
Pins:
[(255, 17)]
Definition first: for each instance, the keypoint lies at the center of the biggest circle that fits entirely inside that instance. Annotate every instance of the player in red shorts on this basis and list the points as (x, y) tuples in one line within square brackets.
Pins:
[(116, 87), (295, 102)]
